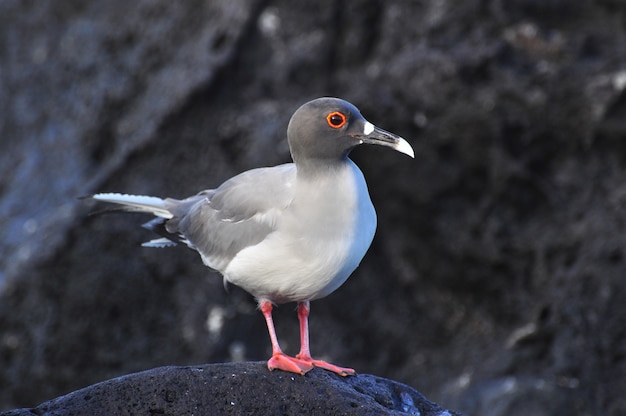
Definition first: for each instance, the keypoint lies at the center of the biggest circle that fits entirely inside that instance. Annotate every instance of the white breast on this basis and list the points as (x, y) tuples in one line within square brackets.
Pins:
[(320, 240)]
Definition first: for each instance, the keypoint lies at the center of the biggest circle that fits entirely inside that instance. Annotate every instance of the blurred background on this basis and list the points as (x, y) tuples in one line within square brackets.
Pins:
[(496, 284)]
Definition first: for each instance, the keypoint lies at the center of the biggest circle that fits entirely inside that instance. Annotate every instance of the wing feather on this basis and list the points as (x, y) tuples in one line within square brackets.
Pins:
[(238, 214)]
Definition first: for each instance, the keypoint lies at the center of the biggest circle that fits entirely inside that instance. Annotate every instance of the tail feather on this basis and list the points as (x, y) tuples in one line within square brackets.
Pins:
[(149, 204), (159, 243)]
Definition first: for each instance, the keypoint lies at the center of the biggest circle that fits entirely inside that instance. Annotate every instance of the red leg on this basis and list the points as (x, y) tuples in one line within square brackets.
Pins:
[(279, 359), (305, 352)]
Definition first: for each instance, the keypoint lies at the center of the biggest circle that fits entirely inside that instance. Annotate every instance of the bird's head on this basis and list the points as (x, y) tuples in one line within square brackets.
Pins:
[(328, 128)]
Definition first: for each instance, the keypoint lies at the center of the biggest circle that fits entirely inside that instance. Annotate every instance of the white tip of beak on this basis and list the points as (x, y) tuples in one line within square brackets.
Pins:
[(404, 147)]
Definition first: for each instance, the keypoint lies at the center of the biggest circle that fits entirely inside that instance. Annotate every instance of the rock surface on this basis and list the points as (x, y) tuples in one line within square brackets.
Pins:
[(239, 389), (495, 284)]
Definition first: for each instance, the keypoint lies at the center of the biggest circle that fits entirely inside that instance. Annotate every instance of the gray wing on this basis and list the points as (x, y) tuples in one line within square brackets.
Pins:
[(241, 212)]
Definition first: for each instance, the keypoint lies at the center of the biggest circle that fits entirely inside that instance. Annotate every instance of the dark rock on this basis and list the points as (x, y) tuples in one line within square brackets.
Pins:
[(239, 389)]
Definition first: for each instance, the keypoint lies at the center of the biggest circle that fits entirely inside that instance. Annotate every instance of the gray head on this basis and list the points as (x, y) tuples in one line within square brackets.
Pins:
[(328, 128)]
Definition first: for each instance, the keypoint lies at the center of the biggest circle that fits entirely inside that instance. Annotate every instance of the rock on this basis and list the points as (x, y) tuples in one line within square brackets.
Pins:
[(239, 389)]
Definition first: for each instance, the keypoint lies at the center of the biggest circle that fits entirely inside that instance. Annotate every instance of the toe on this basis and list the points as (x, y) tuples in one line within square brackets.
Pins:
[(342, 371)]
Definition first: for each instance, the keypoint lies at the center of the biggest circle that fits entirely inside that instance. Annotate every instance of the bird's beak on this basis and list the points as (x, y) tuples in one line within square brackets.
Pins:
[(374, 135)]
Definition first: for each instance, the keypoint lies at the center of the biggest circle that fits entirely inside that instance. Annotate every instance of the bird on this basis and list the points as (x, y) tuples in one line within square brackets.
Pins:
[(288, 233)]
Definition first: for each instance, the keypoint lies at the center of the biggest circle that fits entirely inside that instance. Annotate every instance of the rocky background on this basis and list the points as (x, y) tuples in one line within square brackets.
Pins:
[(496, 284), (243, 388)]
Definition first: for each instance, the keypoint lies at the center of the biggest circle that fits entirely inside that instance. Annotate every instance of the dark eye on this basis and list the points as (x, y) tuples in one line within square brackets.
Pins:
[(336, 120)]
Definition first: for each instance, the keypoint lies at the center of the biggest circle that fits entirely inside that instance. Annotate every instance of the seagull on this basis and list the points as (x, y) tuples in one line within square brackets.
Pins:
[(287, 233)]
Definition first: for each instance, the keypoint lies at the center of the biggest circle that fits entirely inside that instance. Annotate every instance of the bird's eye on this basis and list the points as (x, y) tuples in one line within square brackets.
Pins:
[(336, 120)]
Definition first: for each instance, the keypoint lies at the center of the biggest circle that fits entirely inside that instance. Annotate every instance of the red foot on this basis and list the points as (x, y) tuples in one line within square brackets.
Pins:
[(282, 361), (342, 371)]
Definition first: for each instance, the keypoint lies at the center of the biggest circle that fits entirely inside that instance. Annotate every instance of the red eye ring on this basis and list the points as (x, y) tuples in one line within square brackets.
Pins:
[(336, 120)]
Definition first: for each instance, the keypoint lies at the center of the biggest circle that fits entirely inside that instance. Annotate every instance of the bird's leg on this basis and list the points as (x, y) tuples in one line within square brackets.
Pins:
[(305, 352), (279, 359)]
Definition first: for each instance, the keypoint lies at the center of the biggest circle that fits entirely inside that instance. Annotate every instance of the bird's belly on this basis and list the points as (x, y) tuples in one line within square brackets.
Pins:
[(296, 270)]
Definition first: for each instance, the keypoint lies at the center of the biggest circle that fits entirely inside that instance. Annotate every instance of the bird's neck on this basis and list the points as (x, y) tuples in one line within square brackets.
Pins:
[(312, 169)]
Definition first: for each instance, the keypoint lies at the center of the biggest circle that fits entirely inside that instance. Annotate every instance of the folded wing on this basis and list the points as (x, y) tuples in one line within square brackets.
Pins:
[(218, 223)]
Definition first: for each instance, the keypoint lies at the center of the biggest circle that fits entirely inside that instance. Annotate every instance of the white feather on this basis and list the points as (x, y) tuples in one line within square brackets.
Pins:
[(368, 128), (159, 243), (149, 204)]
